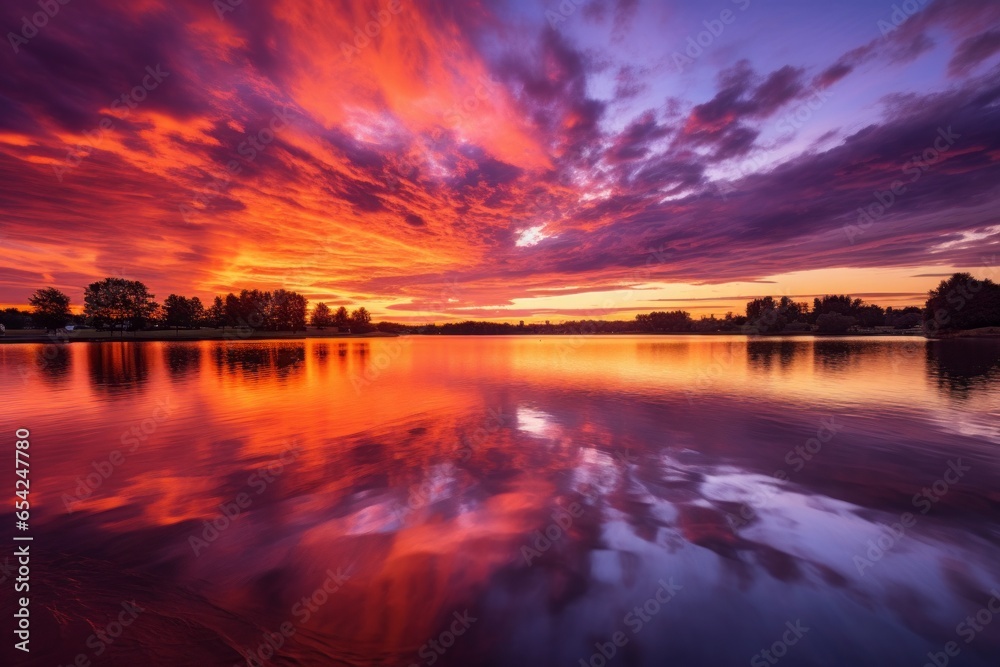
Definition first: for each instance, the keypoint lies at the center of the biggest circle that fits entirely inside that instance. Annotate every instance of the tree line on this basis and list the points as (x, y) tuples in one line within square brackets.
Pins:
[(118, 304), (958, 303)]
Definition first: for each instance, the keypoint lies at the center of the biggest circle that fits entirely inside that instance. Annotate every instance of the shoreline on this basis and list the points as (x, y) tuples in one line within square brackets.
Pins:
[(35, 337), (982, 332), (184, 336)]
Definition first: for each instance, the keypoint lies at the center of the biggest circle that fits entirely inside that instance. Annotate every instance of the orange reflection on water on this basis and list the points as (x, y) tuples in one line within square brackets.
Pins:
[(424, 466)]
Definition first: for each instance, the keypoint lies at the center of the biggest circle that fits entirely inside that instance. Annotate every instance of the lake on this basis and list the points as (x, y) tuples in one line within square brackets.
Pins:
[(619, 500)]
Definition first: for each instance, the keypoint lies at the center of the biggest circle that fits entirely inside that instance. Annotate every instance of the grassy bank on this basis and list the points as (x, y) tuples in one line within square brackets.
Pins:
[(983, 332)]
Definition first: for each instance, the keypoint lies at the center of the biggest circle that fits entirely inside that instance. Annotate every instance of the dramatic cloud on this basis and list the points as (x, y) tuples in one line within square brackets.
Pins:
[(973, 51), (477, 159)]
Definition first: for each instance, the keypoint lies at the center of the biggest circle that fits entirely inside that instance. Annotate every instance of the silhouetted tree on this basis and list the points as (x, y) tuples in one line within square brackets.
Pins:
[(117, 302), (179, 311), (759, 307), (870, 315), (216, 313), (834, 323), (341, 318), (835, 303), (50, 308), (660, 321), (793, 311), (962, 302), (12, 318), (393, 327), (360, 319), (707, 325), (254, 309), (174, 311), (764, 316), (904, 318), (281, 310), (867, 315), (287, 310), (321, 316), (197, 311), (232, 310)]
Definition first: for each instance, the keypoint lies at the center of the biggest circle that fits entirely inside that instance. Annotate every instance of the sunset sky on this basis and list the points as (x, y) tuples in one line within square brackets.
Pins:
[(508, 160)]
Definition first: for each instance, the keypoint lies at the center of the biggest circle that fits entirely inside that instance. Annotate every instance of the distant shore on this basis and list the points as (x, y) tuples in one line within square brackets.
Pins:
[(192, 335), (163, 335)]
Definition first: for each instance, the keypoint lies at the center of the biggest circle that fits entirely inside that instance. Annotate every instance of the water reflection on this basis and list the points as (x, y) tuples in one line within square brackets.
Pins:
[(182, 358), (118, 367), (839, 355), (544, 487), (53, 362), (964, 366), (762, 354), (256, 361)]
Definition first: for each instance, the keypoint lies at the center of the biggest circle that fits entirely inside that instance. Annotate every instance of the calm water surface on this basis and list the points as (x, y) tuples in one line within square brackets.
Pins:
[(692, 497)]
